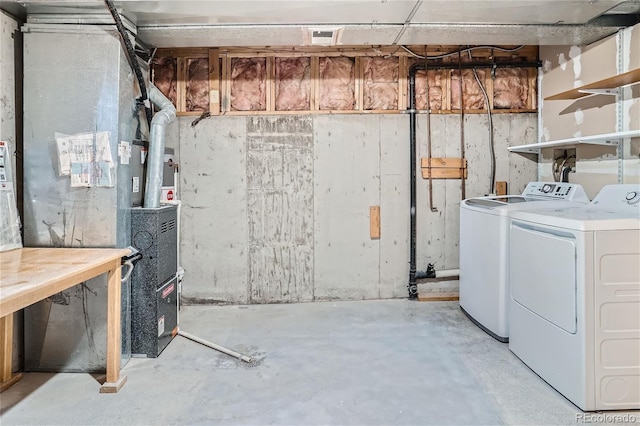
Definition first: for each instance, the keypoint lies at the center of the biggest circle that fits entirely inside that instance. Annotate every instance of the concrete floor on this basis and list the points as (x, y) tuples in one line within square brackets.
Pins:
[(386, 362)]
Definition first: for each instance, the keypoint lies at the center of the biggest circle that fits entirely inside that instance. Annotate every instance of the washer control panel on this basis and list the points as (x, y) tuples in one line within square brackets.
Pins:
[(556, 191)]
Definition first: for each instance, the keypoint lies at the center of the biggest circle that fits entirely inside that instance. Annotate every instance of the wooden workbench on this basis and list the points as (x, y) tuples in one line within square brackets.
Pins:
[(29, 275)]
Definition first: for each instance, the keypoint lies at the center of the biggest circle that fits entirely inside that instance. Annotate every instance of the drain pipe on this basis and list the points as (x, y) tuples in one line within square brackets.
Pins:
[(155, 159), (413, 286), (413, 273)]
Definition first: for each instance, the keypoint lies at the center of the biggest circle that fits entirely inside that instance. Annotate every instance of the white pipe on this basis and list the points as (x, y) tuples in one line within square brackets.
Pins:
[(180, 273), (155, 159), (448, 273), (214, 346)]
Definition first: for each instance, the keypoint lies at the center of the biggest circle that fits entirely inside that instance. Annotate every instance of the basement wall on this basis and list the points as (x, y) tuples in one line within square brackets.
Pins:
[(566, 67), (276, 208)]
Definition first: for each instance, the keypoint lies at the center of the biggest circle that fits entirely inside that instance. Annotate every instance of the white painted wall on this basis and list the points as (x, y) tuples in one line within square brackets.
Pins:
[(276, 208)]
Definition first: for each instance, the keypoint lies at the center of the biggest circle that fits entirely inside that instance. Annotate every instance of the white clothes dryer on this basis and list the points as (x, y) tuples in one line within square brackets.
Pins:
[(484, 249), (575, 298)]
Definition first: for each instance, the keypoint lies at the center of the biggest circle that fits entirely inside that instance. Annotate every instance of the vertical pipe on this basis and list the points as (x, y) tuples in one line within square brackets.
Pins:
[(155, 159), (412, 286)]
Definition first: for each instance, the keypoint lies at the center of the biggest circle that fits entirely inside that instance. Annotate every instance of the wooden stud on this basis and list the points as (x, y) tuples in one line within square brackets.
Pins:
[(315, 84), (532, 102), (403, 85), (488, 84), (214, 82), (183, 52), (226, 83), (181, 85), (501, 187), (374, 222), (270, 85), (446, 91), (359, 84)]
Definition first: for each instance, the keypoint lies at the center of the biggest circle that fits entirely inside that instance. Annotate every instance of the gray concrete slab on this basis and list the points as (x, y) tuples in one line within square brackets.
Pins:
[(377, 362)]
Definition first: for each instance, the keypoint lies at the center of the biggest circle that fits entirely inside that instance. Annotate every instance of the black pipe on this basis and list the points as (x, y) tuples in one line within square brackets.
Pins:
[(131, 56), (413, 286)]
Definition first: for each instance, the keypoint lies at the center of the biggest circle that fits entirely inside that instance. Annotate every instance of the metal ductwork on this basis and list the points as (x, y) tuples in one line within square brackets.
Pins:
[(155, 159)]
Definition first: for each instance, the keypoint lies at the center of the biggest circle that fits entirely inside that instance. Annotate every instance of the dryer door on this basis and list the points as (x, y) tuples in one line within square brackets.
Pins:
[(543, 273)]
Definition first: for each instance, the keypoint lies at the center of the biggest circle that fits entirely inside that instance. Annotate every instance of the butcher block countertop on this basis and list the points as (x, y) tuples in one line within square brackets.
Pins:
[(29, 275)]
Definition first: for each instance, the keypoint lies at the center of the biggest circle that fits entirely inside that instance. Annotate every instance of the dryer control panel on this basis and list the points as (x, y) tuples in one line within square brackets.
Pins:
[(620, 196), (556, 191)]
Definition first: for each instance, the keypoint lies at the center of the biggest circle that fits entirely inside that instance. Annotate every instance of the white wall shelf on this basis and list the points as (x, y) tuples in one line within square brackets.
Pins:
[(611, 83), (607, 139)]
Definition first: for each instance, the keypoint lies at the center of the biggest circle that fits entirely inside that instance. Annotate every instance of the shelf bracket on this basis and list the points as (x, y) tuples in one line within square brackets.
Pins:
[(614, 92)]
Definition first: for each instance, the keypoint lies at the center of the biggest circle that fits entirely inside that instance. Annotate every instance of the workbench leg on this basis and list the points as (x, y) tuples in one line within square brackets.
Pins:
[(6, 339), (114, 381)]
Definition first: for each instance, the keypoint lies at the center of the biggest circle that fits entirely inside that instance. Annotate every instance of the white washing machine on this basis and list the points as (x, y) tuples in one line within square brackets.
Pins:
[(575, 298), (484, 249)]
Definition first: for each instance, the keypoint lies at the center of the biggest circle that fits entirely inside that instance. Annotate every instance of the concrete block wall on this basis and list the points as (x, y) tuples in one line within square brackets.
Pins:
[(276, 208)]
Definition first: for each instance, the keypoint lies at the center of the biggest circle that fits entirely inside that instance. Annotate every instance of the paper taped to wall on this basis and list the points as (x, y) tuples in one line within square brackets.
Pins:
[(86, 157)]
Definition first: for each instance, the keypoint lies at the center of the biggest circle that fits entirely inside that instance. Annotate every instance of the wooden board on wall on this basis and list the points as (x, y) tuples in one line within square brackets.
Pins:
[(444, 168), (214, 82), (374, 222)]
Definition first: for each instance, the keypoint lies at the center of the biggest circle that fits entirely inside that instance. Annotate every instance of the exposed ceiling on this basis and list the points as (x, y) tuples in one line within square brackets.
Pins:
[(186, 23)]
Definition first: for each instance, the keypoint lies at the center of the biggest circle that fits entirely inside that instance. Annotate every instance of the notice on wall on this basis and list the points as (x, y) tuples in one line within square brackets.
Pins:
[(9, 218), (86, 158)]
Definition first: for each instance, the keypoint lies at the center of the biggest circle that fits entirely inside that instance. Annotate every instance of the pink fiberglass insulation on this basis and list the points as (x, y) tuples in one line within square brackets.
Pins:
[(337, 83), (165, 77), (434, 83), (198, 84), (472, 97), (511, 88), (380, 83), (248, 77), (293, 84)]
